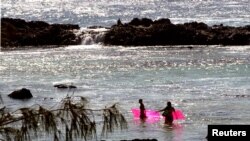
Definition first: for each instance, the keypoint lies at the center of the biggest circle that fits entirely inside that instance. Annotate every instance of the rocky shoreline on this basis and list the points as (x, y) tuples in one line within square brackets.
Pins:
[(137, 32), (18, 32), (146, 32)]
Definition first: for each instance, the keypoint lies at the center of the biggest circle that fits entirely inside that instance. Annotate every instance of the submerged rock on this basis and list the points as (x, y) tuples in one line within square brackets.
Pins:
[(18, 32), (21, 94), (144, 32), (141, 140), (65, 86)]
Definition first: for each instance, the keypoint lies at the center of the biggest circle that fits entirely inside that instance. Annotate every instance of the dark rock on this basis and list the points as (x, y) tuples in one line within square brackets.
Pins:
[(65, 86), (162, 21), (144, 140), (72, 86), (38, 24), (21, 94), (17, 32), (141, 140), (96, 27), (196, 25), (67, 26), (145, 32), (141, 22), (119, 22)]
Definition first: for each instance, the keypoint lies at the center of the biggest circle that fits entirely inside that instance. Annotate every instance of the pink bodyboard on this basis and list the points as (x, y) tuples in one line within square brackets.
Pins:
[(178, 115), (152, 116), (149, 113)]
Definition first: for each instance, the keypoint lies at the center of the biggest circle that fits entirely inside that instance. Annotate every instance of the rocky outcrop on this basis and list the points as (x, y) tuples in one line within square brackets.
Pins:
[(147, 32), (21, 94), (137, 32), (17, 32)]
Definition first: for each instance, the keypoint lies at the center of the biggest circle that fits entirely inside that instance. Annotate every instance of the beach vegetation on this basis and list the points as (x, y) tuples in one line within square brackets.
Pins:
[(69, 120)]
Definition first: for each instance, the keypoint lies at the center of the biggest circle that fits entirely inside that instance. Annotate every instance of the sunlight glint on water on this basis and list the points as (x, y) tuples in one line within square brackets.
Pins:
[(107, 12), (210, 85)]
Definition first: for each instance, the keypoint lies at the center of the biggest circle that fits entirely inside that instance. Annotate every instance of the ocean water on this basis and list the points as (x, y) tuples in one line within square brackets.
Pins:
[(210, 84), (107, 12)]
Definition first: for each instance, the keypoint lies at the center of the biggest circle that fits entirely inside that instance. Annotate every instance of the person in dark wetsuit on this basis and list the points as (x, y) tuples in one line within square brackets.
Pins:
[(142, 110), (168, 113)]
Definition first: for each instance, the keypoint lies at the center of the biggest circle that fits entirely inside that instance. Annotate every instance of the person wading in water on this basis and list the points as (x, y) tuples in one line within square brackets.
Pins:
[(168, 113), (142, 110)]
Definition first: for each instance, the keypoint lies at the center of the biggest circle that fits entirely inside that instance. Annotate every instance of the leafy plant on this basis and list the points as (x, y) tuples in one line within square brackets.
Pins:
[(70, 120)]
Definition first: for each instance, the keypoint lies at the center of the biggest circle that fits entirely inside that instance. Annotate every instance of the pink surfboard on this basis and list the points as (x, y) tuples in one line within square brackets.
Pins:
[(152, 114)]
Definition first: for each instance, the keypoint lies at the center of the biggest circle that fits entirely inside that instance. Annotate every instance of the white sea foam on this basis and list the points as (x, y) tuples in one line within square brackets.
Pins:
[(83, 47), (90, 36)]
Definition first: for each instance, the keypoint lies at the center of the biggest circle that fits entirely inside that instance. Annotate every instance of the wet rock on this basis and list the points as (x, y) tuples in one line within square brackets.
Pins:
[(141, 22), (96, 27), (141, 140), (18, 32), (21, 94), (145, 32), (65, 86), (119, 22), (162, 21)]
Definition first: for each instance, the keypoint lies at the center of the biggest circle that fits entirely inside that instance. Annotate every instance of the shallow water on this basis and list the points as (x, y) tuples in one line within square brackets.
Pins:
[(210, 84)]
